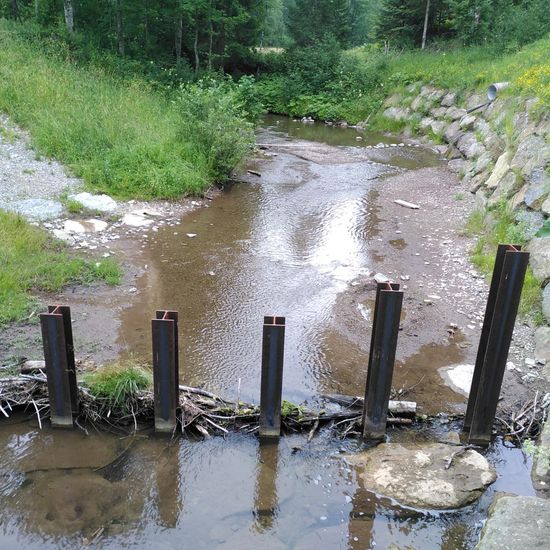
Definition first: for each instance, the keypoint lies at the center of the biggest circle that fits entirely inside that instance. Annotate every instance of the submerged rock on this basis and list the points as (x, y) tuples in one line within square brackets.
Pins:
[(516, 522), (417, 475), (458, 377)]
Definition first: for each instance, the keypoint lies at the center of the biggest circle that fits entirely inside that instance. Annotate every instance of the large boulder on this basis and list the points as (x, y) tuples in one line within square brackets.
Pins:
[(507, 186), (537, 189), (101, 203), (532, 152), (501, 167), (448, 100), (540, 258), (429, 475), (453, 133), (469, 146), (397, 113), (516, 523)]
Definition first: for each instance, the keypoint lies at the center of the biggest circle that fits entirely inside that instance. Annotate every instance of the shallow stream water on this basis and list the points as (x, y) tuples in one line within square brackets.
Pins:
[(287, 243)]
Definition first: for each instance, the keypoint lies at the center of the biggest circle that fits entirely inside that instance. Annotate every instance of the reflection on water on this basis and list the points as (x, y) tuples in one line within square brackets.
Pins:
[(237, 492)]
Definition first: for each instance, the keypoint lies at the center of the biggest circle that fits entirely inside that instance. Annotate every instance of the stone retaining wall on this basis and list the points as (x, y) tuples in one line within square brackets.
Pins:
[(501, 152)]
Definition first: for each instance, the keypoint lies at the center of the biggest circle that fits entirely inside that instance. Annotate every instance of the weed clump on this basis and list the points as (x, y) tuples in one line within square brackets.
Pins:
[(117, 386)]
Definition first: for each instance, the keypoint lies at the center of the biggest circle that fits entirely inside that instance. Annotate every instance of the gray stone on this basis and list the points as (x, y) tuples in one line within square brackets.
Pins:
[(516, 523), (541, 466), (475, 100), (438, 112), (532, 152), (416, 474), (396, 113), (102, 203), (518, 199), (426, 123), (63, 236), (482, 163), (542, 344), (537, 189), (453, 133), (438, 127), (531, 222), (457, 166), (467, 122), (35, 209), (546, 302), (469, 146), (543, 129), (522, 126), (481, 198), (545, 208), (88, 226), (448, 100), (454, 113), (540, 258), (501, 168), (507, 186), (476, 182)]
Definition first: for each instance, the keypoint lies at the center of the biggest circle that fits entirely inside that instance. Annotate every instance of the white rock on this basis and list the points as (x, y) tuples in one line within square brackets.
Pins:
[(137, 218), (458, 377), (381, 278), (103, 203), (88, 226)]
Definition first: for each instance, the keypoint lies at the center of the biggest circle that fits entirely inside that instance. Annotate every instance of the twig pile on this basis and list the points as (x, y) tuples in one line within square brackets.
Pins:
[(200, 412), (527, 421)]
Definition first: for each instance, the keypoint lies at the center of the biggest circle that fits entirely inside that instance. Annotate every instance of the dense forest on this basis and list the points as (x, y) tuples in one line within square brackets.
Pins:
[(196, 35)]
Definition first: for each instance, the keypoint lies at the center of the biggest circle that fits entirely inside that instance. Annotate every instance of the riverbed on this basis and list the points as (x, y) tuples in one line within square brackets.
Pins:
[(301, 235)]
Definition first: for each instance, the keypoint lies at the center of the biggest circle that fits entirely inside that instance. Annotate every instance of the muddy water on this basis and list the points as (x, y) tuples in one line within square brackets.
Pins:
[(286, 243), (61, 490), (291, 242)]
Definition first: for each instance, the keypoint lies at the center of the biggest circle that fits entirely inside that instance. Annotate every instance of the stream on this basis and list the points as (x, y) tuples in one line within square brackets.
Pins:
[(297, 241)]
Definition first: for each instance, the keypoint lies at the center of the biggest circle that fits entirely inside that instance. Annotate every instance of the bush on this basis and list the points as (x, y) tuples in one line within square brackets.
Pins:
[(215, 114), (120, 135)]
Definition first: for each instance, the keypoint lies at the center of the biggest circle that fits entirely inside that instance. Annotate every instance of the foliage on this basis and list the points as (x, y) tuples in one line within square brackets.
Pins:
[(118, 384), (30, 260), (214, 114), (119, 135), (499, 226), (290, 409)]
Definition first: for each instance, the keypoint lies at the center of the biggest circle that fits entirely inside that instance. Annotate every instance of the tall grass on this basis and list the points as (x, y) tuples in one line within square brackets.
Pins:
[(31, 260), (119, 135)]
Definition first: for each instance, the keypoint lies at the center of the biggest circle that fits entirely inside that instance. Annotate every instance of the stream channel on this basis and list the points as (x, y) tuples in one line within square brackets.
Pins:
[(295, 242)]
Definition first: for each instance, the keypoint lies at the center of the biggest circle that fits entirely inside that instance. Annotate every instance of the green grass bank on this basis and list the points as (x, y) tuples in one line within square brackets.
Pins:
[(119, 134), (31, 260)]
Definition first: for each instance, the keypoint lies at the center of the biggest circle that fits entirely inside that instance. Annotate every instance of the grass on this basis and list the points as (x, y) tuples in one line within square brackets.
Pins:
[(491, 229), (120, 136), (366, 76), (30, 260), (118, 384), (73, 206)]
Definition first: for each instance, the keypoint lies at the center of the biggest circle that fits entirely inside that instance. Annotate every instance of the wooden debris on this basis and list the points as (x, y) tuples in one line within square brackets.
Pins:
[(406, 204), (201, 411), (254, 173)]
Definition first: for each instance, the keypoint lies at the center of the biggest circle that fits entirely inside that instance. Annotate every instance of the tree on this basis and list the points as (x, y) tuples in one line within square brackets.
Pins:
[(68, 9), (310, 20)]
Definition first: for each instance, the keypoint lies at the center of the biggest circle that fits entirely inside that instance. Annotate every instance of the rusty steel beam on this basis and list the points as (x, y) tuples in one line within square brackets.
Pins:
[(485, 399), (273, 346), (60, 367), (165, 370), (387, 316)]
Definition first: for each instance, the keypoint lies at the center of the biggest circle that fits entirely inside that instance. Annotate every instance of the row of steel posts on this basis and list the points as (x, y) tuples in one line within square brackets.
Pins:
[(496, 335)]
